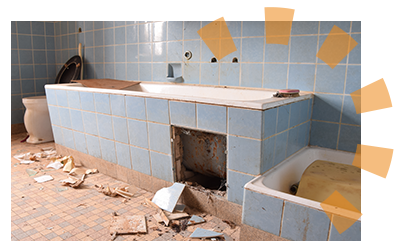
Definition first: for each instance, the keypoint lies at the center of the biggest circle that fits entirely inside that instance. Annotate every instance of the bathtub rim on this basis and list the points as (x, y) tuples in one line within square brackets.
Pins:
[(256, 105), (256, 185)]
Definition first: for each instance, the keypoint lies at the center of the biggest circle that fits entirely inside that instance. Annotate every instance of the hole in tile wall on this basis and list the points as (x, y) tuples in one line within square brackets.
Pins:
[(200, 158), (214, 60)]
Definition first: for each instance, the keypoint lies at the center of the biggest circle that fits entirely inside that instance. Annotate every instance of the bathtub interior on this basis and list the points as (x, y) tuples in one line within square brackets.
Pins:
[(289, 172)]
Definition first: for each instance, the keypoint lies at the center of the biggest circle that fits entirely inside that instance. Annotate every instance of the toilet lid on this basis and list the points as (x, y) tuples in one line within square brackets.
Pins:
[(70, 71)]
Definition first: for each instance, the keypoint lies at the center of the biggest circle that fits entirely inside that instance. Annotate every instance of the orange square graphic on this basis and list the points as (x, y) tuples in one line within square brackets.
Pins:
[(336, 46), (278, 25), (375, 160), (218, 39)]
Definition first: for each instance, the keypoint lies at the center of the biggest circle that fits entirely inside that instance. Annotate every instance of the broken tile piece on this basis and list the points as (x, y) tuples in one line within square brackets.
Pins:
[(55, 165), (128, 224), (43, 178), (166, 198), (195, 220), (31, 172), (203, 233), (179, 207)]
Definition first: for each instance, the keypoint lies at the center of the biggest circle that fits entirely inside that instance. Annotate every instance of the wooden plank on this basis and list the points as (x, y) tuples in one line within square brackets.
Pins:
[(106, 83), (128, 224)]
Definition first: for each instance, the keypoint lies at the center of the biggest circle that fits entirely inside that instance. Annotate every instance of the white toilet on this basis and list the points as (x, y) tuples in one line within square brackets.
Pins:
[(37, 119)]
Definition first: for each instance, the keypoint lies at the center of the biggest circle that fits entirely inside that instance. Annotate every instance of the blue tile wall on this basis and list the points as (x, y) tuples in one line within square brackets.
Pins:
[(235, 190), (140, 160), (108, 150), (138, 133), (245, 122), (157, 110), (162, 166), (183, 114), (211, 117)]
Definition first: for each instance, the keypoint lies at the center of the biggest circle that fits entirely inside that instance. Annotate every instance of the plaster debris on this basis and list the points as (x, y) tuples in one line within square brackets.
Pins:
[(73, 182), (91, 171), (55, 165), (43, 178), (69, 164)]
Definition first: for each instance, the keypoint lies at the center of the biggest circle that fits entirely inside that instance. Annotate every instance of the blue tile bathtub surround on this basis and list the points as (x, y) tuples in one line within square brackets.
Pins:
[(68, 138), (292, 221), (328, 121), (144, 125)]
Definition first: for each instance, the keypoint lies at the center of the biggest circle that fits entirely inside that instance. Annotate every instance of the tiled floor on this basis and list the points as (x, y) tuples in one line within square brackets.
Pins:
[(50, 212)]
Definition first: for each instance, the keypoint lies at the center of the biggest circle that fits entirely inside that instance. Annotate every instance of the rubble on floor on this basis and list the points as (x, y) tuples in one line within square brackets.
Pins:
[(173, 221)]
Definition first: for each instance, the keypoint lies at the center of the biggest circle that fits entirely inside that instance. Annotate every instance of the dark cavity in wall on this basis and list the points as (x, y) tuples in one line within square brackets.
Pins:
[(200, 158)]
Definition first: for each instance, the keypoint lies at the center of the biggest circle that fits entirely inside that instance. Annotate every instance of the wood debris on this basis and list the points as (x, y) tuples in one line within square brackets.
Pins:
[(121, 191)]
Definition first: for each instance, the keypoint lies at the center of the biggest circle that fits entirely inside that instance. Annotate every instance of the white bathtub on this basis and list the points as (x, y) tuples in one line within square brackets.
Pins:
[(260, 99), (277, 181)]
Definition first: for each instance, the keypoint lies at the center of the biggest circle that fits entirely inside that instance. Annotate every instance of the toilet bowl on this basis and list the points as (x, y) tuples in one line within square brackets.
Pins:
[(37, 119)]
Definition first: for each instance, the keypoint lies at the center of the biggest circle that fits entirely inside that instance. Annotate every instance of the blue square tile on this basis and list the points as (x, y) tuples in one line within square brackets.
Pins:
[(28, 86), (244, 155), (269, 122), (88, 39), (14, 44), (236, 53), (191, 73), (211, 118), (68, 138), (330, 80), (355, 54), (192, 46), (209, 73), (304, 109), (301, 77), (39, 57), (76, 120), (190, 29), (326, 26), (245, 122), (276, 53), (26, 71), (87, 101), (14, 56), (349, 137), (120, 129), (132, 34), (102, 102), (99, 54), (98, 37), (303, 223), (17, 116), (349, 114), (73, 99), (159, 71), (138, 133), (132, 53), (356, 26), (229, 74), (157, 110), (108, 150), (262, 211), (283, 118), (252, 49), (15, 87), (51, 96), (280, 147), (160, 138), (206, 53), (57, 134), (54, 116), (324, 134), (327, 107), (159, 31), (120, 35), (353, 233), (303, 49), (353, 79), (109, 69), (120, 53), (80, 142), (293, 144), (38, 42), (105, 126), (145, 52), (117, 105), (251, 75), (236, 186), (183, 113), (109, 54), (40, 71), (175, 30), (140, 160), (161, 166), (175, 51), (145, 33), (24, 42), (295, 109), (109, 37), (253, 28), (90, 122), (267, 151), (108, 24), (38, 28), (159, 52), (99, 70), (123, 155), (120, 72), (145, 72), (64, 117), (135, 107), (62, 97), (304, 27), (24, 27), (275, 76), (304, 134)]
